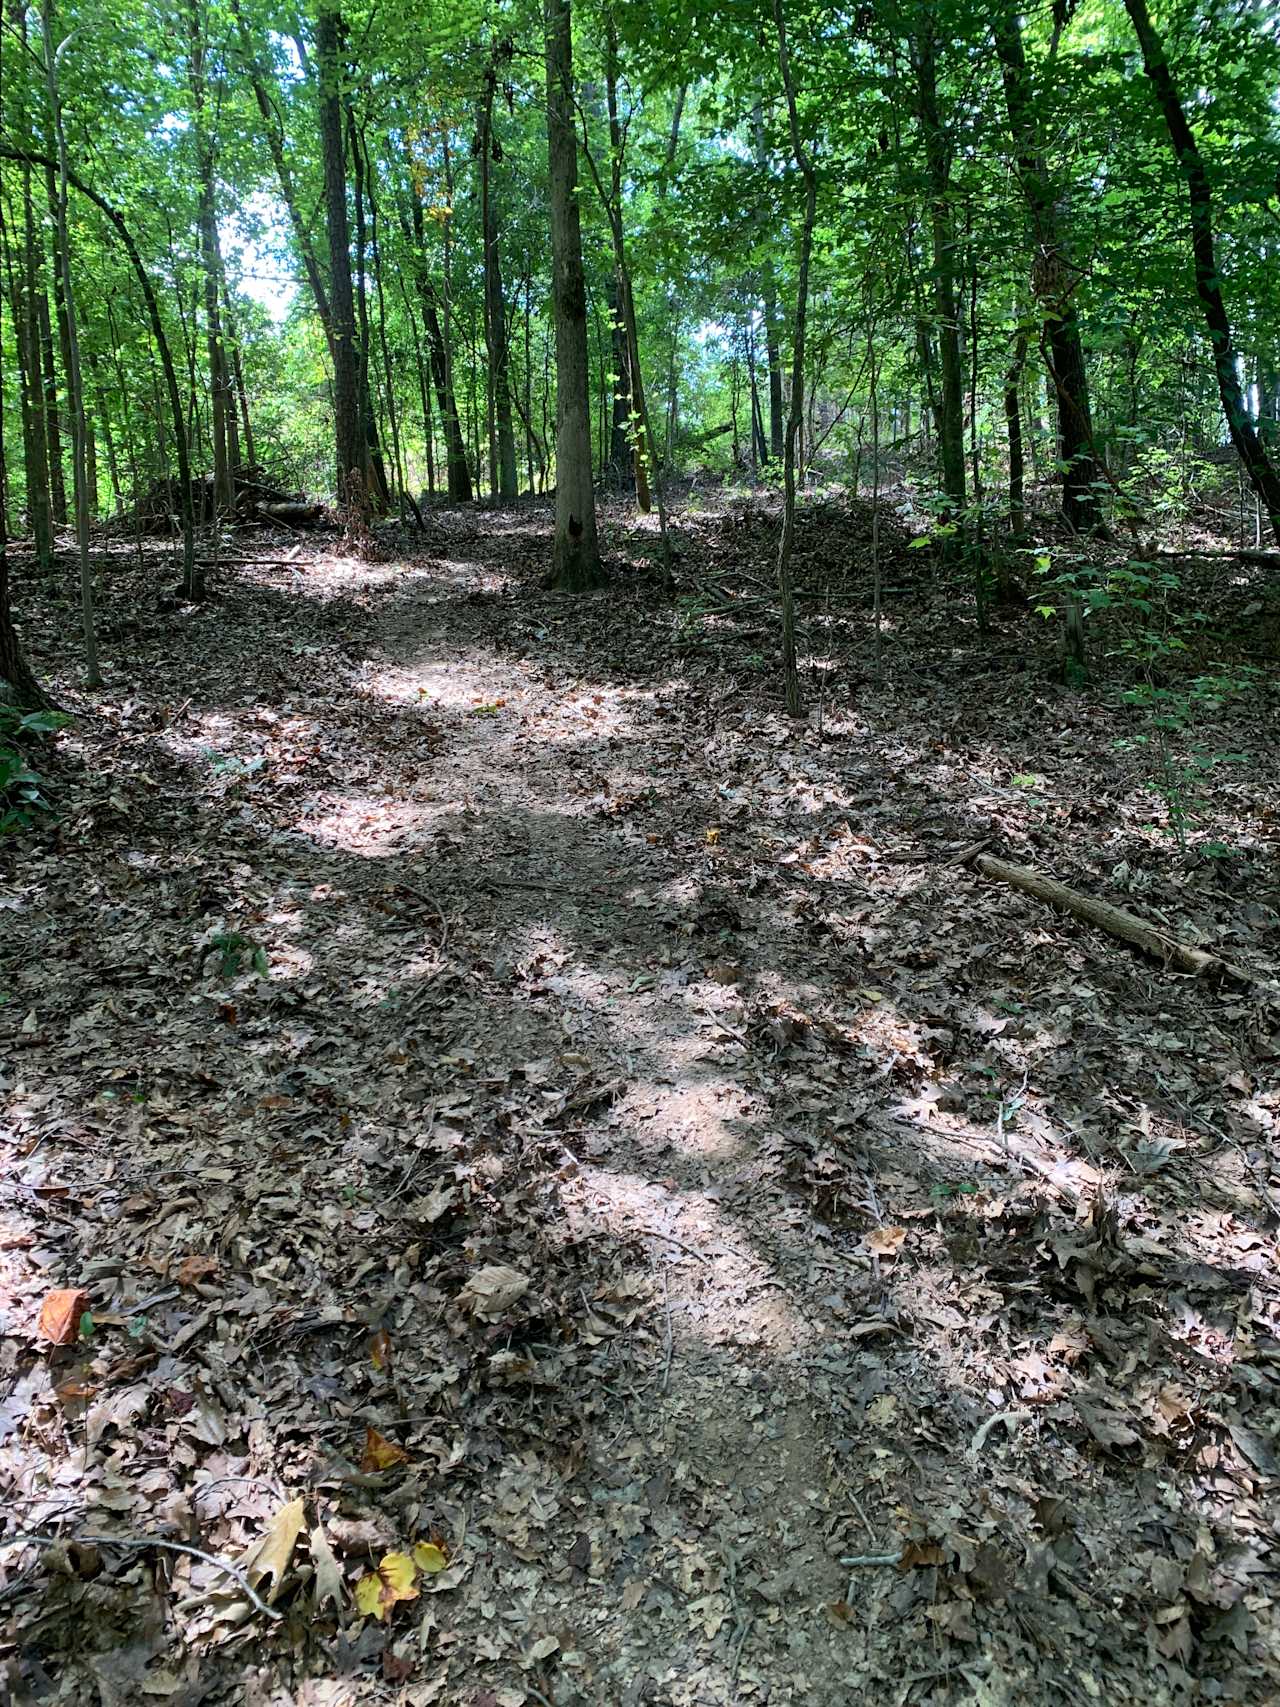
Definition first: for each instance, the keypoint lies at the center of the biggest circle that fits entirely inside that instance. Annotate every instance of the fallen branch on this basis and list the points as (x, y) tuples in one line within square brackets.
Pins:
[(139, 1543), (1116, 922)]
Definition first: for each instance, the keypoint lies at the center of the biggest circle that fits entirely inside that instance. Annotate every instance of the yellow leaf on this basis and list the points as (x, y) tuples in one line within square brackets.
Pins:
[(429, 1558), (270, 1554), (380, 1453), (378, 1591)]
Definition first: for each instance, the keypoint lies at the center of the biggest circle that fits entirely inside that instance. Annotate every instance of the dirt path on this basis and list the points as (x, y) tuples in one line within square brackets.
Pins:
[(648, 1172)]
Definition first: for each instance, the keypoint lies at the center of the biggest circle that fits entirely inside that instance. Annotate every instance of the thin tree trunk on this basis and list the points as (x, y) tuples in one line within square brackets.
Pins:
[(777, 413), (576, 562), (75, 388), (220, 401), (424, 387), (942, 228), (1261, 471), (495, 316), (49, 377), (790, 672), (1053, 279), (1013, 427), (237, 374), (346, 360)]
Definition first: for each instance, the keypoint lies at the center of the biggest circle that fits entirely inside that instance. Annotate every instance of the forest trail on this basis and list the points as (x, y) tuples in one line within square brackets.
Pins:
[(649, 1169)]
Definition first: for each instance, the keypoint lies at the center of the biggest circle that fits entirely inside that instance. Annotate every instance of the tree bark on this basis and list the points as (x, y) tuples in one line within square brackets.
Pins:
[(220, 401), (346, 360), (790, 672), (1013, 427), (1258, 466), (507, 481), (773, 355), (75, 385), (943, 233), (1053, 279), (575, 564), (18, 685)]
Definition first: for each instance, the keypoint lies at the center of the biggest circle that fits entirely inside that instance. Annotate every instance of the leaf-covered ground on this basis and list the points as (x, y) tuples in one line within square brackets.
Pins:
[(559, 1158)]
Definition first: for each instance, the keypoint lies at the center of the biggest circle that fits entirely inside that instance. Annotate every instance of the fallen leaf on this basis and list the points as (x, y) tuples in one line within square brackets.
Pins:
[(380, 1453), (380, 1349), (885, 1242), (378, 1591), (492, 1291), (271, 1552), (60, 1316), (429, 1558), (196, 1268), (329, 1586)]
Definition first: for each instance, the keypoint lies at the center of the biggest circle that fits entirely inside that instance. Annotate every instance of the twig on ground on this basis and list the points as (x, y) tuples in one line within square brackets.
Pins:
[(139, 1544), (1008, 1418), (653, 1233), (860, 1559), (668, 1337)]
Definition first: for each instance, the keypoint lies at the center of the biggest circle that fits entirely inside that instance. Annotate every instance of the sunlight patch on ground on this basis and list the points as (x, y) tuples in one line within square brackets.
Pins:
[(758, 1310)]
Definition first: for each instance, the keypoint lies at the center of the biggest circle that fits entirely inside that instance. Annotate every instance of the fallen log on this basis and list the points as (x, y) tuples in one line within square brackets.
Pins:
[(1116, 922)]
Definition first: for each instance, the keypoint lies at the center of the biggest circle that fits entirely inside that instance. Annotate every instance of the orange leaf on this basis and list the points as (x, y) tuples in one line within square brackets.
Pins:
[(380, 1349), (60, 1316), (380, 1453), (196, 1268)]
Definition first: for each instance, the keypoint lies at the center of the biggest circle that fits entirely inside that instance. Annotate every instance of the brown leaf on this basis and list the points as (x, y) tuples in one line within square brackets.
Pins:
[(380, 1349), (885, 1242), (380, 1453), (492, 1290), (196, 1268), (60, 1316)]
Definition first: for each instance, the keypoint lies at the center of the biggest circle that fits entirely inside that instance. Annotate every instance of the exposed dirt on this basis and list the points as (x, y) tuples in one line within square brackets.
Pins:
[(502, 1085)]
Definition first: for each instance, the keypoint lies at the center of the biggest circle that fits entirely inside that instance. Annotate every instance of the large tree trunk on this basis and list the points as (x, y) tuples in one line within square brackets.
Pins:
[(943, 231), (1250, 448), (1053, 279), (575, 562), (18, 685), (346, 359)]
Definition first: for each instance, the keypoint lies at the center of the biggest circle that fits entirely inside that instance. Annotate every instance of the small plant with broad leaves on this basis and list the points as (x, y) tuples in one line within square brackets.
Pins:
[(235, 953), (22, 797)]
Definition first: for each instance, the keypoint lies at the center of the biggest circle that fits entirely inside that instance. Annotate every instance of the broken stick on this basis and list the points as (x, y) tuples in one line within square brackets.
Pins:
[(1127, 926)]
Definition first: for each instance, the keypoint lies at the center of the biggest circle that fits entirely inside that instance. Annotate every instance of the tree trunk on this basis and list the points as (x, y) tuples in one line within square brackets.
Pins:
[(18, 685), (52, 421), (575, 562), (1252, 452), (943, 232), (790, 672), (1053, 279), (1013, 425), (220, 401), (75, 387), (457, 472), (495, 309), (346, 361), (777, 412), (375, 472)]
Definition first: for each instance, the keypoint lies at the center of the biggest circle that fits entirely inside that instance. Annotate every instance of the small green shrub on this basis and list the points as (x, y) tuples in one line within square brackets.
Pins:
[(22, 797)]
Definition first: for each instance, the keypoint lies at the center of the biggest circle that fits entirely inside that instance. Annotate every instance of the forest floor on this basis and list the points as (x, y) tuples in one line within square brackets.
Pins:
[(506, 1091)]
